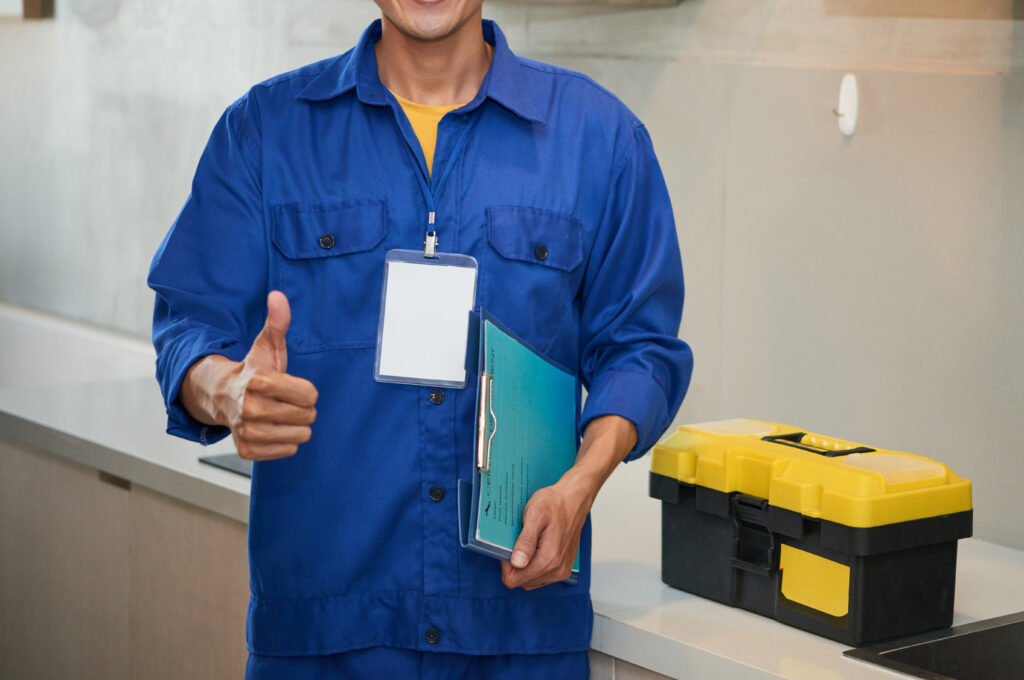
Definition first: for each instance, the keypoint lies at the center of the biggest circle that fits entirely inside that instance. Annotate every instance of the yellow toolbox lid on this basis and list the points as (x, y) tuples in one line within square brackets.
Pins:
[(817, 476)]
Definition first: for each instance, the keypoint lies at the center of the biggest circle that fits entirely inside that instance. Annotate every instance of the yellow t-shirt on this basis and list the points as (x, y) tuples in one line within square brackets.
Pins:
[(424, 120)]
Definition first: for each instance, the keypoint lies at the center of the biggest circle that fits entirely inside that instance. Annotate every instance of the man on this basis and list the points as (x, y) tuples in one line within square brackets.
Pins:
[(306, 182)]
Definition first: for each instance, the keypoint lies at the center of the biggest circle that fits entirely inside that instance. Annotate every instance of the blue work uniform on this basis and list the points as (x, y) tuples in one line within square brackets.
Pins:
[(545, 178)]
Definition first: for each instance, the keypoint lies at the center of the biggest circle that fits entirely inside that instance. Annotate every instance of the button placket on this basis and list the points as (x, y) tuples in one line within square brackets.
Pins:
[(440, 554)]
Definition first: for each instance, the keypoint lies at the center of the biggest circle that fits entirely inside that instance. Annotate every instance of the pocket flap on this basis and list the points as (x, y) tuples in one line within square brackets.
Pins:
[(326, 230), (543, 237)]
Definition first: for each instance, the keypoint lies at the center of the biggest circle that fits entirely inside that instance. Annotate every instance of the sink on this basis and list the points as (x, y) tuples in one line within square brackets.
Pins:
[(984, 650)]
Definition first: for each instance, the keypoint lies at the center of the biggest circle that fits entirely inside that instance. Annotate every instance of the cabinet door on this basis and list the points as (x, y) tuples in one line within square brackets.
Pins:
[(64, 569), (102, 579), (190, 591)]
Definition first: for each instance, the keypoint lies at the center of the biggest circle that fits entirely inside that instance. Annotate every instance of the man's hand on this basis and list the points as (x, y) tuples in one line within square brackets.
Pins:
[(554, 516), (546, 548), (268, 411)]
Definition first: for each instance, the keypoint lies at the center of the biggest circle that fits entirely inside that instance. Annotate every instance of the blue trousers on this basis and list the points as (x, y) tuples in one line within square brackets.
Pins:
[(387, 663)]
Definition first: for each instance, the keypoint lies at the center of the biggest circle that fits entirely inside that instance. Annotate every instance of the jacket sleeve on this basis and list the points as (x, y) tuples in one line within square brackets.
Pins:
[(631, 360), (210, 272)]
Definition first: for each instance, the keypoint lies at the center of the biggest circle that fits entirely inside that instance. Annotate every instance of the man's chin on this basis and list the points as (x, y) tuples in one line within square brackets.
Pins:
[(428, 31)]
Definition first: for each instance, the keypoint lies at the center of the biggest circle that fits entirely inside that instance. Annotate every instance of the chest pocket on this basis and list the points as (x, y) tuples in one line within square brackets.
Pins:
[(533, 281), (330, 265), (541, 237)]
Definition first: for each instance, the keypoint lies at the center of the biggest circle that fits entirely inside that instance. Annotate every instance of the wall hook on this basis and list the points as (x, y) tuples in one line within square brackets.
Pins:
[(847, 109)]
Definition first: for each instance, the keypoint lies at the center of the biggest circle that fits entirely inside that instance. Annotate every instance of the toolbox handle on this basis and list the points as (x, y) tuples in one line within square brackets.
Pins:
[(795, 439)]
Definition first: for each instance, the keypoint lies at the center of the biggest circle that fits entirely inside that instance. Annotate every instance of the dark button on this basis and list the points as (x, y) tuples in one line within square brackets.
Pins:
[(436, 494), (326, 241), (433, 635), (541, 252), (437, 397)]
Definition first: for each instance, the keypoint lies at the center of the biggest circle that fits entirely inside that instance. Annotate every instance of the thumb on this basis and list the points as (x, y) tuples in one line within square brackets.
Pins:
[(526, 545), (279, 317)]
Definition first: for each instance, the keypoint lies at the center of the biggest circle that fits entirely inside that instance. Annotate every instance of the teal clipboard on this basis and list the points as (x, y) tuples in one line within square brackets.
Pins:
[(525, 435)]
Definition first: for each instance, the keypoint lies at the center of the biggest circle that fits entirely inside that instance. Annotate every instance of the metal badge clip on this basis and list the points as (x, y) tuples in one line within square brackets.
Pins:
[(430, 241)]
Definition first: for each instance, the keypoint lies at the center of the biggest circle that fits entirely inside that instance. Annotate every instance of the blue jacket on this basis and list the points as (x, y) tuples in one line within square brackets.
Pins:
[(348, 547)]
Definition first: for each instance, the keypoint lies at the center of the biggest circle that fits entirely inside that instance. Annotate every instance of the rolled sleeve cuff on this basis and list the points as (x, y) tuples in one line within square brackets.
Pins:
[(179, 421), (634, 395)]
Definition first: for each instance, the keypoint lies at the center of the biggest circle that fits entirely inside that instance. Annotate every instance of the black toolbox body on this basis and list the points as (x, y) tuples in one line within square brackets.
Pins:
[(728, 547)]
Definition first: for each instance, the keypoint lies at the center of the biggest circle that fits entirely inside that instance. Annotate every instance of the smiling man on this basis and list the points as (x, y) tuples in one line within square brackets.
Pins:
[(268, 291)]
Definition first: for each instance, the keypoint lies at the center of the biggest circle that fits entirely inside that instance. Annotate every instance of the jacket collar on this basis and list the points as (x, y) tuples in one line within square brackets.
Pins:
[(504, 82)]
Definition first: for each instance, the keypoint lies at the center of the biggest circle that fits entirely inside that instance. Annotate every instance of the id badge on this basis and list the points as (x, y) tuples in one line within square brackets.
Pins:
[(424, 318)]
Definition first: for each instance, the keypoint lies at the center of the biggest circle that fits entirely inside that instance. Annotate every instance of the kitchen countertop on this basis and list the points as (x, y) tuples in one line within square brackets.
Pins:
[(59, 402)]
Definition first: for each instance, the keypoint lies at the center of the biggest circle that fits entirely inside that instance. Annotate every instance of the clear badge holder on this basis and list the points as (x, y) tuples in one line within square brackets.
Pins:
[(424, 317)]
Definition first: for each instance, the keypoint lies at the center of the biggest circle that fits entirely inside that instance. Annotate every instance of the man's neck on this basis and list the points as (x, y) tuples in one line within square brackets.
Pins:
[(444, 72)]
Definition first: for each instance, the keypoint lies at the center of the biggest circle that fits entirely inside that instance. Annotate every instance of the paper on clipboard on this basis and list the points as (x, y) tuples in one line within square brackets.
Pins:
[(526, 437)]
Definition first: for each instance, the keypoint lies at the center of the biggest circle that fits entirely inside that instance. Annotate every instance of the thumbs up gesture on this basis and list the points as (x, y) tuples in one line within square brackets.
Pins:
[(269, 412)]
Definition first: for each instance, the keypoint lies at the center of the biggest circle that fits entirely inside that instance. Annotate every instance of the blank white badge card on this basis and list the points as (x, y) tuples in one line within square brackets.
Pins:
[(424, 318)]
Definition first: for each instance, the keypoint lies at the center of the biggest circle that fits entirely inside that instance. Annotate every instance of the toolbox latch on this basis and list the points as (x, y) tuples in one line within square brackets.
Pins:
[(750, 509), (754, 545)]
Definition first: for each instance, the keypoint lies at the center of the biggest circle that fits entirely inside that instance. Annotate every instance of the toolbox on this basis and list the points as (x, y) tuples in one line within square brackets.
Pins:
[(853, 543)]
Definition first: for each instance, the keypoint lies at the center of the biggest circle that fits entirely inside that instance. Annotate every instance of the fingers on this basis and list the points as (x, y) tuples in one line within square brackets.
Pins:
[(283, 387), (523, 568), (251, 451), (547, 566), (270, 428), (547, 545), (537, 549), (265, 441), (275, 416), (526, 544), (273, 433), (258, 408), (508, 575)]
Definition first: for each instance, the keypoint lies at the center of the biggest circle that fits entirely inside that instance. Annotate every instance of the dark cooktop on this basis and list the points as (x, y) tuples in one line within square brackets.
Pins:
[(231, 462)]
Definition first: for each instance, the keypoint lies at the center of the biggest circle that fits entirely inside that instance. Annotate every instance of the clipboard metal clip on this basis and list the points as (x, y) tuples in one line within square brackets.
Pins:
[(485, 414)]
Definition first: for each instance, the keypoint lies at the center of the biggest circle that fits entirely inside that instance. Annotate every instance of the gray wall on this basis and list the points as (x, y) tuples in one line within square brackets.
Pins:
[(866, 288)]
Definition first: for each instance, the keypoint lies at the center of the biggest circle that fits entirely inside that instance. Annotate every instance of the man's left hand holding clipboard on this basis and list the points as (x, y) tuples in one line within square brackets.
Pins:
[(554, 516)]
